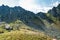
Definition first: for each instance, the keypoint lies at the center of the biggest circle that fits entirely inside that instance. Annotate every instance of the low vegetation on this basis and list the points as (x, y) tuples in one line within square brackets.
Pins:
[(24, 35)]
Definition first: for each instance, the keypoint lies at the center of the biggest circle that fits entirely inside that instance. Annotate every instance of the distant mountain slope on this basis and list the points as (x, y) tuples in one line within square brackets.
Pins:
[(46, 22), (10, 15), (52, 28), (51, 20), (55, 11)]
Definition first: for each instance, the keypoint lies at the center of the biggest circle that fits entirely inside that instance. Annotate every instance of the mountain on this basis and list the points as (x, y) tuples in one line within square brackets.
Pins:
[(44, 17), (55, 11), (16, 18), (11, 14), (50, 23), (51, 19)]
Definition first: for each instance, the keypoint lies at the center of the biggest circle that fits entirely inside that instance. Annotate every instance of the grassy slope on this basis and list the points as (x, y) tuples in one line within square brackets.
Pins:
[(24, 35)]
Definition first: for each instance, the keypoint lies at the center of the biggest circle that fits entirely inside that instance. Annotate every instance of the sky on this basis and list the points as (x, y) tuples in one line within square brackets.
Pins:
[(32, 5)]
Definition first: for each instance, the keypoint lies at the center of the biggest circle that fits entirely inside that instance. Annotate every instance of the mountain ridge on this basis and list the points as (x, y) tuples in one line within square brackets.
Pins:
[(45, 22)]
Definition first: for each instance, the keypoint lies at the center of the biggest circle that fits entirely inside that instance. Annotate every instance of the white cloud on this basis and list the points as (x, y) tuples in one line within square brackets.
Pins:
[(31, 6), (10, 3), (28, 5), (56, 3)]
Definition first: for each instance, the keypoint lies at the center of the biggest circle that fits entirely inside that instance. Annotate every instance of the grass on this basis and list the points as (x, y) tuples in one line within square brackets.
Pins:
[(24, 35), (25, 32)]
